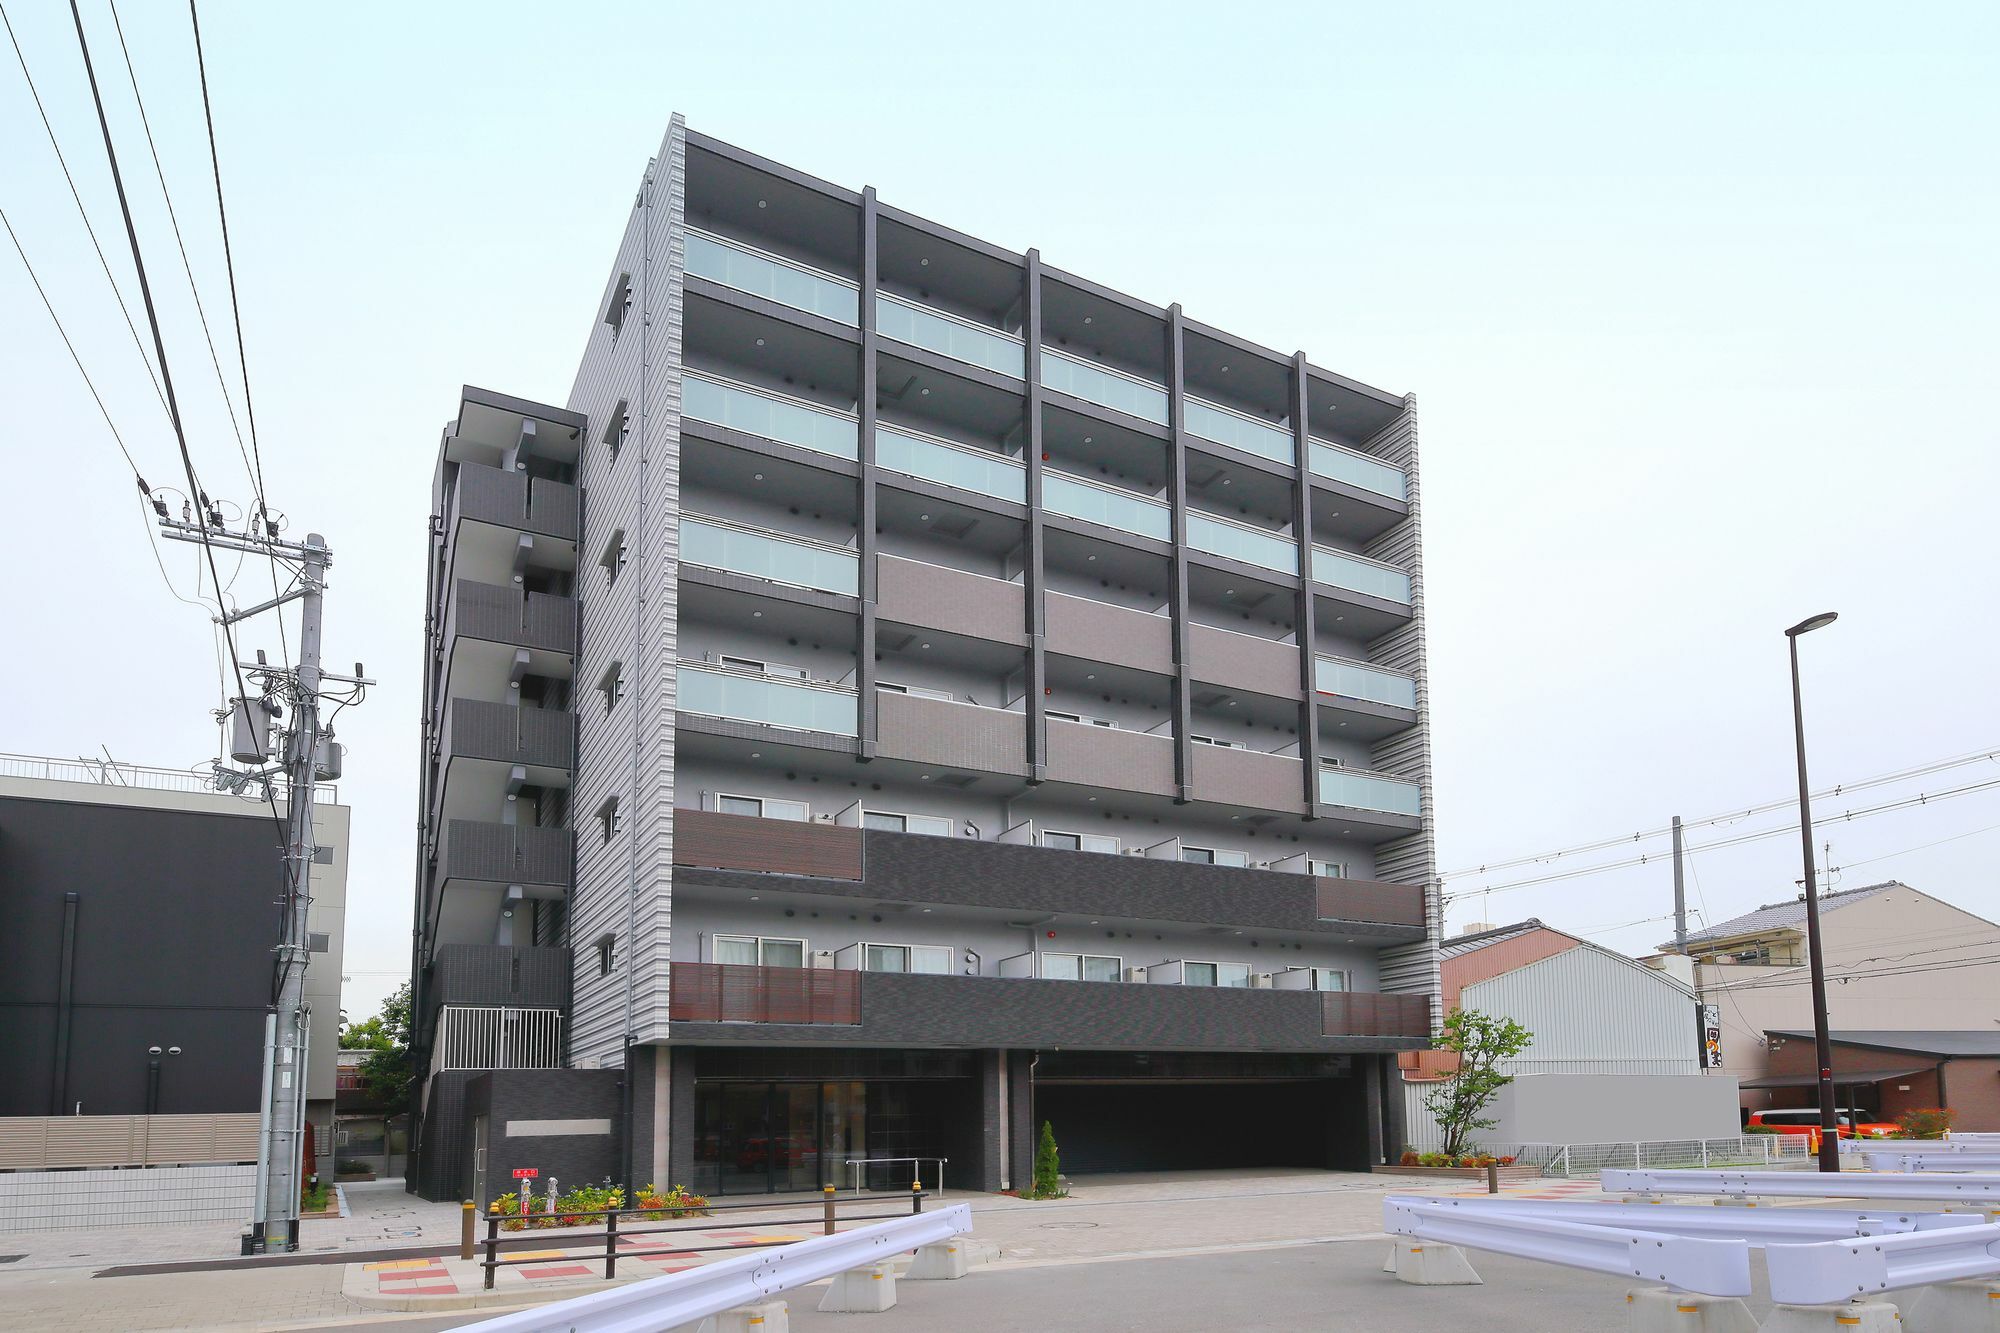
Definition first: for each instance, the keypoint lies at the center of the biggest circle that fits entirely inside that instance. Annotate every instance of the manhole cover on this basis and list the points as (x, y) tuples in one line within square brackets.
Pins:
[(1067, 1226)]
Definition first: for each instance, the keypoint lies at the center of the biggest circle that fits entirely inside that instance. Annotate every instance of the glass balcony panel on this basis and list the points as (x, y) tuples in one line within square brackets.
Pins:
[(775, 703), (1365, 791), (772, 278), (958, 339), (755, 413), (1099, 968), (1240, 543), (1061, 967), (1245, 433), (1102, 504), (1344, 571), (1107, 388), (1358, 470), (969, 469), (1353, 681), (767, 556)]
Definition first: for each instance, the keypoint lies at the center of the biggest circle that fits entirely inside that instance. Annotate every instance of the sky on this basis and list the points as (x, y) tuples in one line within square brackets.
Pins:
[(1699, 305)]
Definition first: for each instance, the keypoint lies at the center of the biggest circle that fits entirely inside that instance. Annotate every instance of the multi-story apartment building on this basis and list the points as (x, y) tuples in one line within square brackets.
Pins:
[(907, 694)]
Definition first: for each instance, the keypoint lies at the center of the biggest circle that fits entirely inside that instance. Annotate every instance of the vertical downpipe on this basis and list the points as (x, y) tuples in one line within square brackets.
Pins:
[(65, 1000)]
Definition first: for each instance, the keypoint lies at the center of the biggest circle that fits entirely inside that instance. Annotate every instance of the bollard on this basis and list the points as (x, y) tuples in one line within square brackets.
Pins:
[(1492, 1177), (610, 1246), (465, 1219), (829, 1210), (492, 1247), (917, 1197)]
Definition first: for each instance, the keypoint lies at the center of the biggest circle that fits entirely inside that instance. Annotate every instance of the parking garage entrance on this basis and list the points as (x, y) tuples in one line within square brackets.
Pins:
[(1180, 1111)]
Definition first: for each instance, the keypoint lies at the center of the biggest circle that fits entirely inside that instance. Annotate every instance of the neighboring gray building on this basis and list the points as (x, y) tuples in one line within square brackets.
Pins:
[(889, 628)]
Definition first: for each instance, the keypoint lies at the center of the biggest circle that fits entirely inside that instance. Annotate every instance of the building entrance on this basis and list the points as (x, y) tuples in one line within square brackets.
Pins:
[(776, 1138)]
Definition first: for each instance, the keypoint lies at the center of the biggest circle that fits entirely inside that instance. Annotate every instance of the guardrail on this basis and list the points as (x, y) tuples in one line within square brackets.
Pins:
[(687, 1297), (1843, 1270), (1744, 1150), (1715, 1267), (1898, 1160), (916, 1164), (1855, 1147), (1755, 1227), (1807, 1185)]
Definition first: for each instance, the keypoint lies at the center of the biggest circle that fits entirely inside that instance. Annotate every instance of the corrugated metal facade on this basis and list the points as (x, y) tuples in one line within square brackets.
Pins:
[(624, 882), (1593, 1012)]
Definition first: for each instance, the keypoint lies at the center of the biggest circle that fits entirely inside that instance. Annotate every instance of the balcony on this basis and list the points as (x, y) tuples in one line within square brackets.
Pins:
[(744, 696), (766, 846), (741, 993), (1353, 573), (1243, 661), (774, 557), (925, 456), (949, 335), (1253, 779), (1239, 541), (1094, 756), (1117, 635), (911, 592), (1225, 425), (1106, 506), (514, 500), (1104, 386), (950, 734), (1369, 900), (1337, 463), (1340, 678), (505, 615), (784, 281), (477, 852), (1378, 793), (511, 734), (1360, 1014), (769, 416)]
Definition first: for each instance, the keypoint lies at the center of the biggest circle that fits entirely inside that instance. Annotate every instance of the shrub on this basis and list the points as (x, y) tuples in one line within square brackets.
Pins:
[(677, 1201), (1410, 1158), (1506, 1161), (584, 1205), (1926, 1122), (520, 1214), (1048, 1168), (1436, 1159), (1760, 1129), (350, 1167), (315, 1197)]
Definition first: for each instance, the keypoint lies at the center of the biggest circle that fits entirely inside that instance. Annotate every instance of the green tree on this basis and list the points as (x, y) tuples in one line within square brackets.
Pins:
[(1482, 1041), (1048, 1166), (386, 1075)]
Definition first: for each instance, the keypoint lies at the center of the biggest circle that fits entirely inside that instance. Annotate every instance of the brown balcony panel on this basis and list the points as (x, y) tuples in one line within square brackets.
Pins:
[(1109, 757), (513, 500), (1243, 662), (910, 592), (1361, 1014), (1249, 778), (1101, 632), (772, 846), (1370, 900), (953, 735), (734, 993)]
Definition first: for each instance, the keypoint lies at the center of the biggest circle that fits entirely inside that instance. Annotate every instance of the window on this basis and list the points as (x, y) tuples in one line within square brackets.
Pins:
[(612, 686), (609, 821), (1081, 967), (891, 822), (1329, 978), (1083, 718), (1210, 856), (1079, 842), (1233, 975), (604, 945), (763, 807), (1216, 741), (919, 691), (616, 428), (613, 558), (1330, 869), (620, 305), (931, 959), (759, 951)]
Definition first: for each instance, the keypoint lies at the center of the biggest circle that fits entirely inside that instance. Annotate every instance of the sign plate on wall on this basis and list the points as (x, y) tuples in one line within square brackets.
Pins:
[(1711, 1035), (526, 1172)]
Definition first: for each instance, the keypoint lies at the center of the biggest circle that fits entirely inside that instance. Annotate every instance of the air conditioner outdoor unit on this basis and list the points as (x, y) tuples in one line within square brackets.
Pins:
[(1262, 981), (822, 958), (1135, 974)]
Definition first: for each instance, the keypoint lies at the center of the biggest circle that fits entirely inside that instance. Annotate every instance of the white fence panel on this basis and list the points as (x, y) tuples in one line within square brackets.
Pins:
[(62, 1200)]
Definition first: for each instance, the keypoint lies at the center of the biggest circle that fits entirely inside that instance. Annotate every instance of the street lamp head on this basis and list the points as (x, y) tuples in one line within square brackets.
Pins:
[(1807, 626)]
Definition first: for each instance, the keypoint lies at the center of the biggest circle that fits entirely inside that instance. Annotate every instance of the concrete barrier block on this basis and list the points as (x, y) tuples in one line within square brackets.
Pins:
[(1389, 1259), (1971, 1306), (939, 1263), (1658, 1310), (1735, 1203), (1424, 1264), (868, 1290), (763, 1317), (1853, 1317)]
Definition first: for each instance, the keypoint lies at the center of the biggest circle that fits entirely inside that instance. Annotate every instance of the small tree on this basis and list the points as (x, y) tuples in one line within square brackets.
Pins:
[(1048, 1166), (1926, 1122), (1482, 1041), (386, 1075)]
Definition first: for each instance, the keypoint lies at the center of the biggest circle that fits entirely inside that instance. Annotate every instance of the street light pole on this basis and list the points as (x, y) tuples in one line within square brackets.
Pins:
[(1829, 1132)]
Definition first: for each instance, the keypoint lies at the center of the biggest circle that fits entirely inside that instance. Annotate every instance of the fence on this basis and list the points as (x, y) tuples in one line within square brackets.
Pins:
[(51, 1142), (63, 1200), (1763, 1151), (112, 773)]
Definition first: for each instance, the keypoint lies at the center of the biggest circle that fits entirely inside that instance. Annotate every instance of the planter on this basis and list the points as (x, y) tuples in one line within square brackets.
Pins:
[(1518, 1171), (350, 1177)]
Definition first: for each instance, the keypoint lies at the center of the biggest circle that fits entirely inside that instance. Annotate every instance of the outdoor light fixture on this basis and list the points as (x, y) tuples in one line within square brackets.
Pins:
[(1829, 1141)]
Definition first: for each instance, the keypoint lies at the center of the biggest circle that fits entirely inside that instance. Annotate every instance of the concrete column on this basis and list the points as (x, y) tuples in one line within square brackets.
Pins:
[(680, 1120), (990, 1169), (1021, 1122)]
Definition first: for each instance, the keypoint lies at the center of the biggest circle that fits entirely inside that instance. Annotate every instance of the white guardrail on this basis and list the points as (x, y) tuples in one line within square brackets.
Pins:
[(690, 1296), (1807, 1185), (1855, 1147), (1685, 1263), (1884, 1159), (1842, 1270)]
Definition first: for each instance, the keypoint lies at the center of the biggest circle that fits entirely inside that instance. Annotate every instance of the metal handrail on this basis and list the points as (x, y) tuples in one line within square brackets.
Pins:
[(756, 253), (923, 309), (1061, 355), (753, 530), (1362, 559), (1108, 488), (762, 392), (718, 668), (911, 432), (859, 1162)]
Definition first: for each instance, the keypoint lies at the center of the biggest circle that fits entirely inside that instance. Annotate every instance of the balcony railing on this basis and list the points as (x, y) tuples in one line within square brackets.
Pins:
[(1369, 791), (925, 456), (508, 733), (1225, 425), (1353, 680), (514, 500), (497, 1037), (1339, 570), (1361, 1014), (1356, 469), (1104, 386), (1368, 900), (773, 557), (504, 615), (1239, 541), (741, 993), (761, 273), (949, 335), (1107, 506), (769, 416), (769, 846), (504, 853), (743, 696)]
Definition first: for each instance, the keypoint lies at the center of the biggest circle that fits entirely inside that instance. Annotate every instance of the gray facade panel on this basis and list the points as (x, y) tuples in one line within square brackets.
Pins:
[(504, 853), (910, 592), (514, 500), (1093, 756), (505, 615), (933, 731), (1244, 662), (509, 733), (1248, 777), (522, 976), (1117, 635)]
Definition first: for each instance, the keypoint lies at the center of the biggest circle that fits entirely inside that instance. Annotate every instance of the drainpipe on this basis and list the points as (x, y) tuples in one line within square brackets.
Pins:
[(65, 1000)]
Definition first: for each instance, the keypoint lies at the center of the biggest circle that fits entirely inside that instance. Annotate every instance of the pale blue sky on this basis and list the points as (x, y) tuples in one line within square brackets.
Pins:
[(1699, 305)]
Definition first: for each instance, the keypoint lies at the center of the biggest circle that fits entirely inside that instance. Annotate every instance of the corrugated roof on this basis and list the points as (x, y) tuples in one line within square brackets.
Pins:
[(1783, 916), (1464, 944), (1976, 1042)]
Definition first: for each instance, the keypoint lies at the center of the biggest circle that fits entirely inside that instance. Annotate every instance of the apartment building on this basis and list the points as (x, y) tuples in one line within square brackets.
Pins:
[(907, 694)]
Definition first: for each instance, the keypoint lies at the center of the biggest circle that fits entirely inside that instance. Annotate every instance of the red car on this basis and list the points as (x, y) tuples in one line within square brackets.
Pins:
[(1853, 1122)]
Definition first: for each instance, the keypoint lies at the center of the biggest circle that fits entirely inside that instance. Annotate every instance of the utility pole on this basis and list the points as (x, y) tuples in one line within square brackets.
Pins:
[(1680, 895), (304, 759)]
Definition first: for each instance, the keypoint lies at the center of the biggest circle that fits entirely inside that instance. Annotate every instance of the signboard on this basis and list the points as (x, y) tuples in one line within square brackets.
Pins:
[(526, 1172), (1711, 1036)]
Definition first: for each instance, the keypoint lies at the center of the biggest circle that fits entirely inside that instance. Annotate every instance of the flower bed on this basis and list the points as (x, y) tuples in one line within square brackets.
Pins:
[(1517, 1172)]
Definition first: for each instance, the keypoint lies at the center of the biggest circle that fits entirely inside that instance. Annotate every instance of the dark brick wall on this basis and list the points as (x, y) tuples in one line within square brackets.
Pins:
[(505, 1095), (440, 1160), (525, 976)]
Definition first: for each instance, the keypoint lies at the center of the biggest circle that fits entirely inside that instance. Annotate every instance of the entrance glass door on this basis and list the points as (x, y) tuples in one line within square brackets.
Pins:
[(776, 1138)]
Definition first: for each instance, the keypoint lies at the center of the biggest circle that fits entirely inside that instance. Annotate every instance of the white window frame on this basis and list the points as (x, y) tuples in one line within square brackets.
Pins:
[(1117, 964), (1063, 715), (1116, 845), (612, 686), (1332, 870), (620, 305), (1218, 965), (617, 427), (1216, 741), (909, 955), (906, 817), (758, 942), (1317, 972), (764, 804), (615, 552), (1214, 857), (610, 822), (916, 691)]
